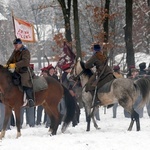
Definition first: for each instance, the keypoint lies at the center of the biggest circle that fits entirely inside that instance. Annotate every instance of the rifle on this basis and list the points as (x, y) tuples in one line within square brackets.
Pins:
[(98, 78)]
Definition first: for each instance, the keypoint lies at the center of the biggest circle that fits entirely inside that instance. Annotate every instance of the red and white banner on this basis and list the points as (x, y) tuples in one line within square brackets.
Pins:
[(24, 30), (67, 56)]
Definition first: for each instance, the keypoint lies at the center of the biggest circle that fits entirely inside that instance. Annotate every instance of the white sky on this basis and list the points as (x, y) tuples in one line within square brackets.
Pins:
[(113, 135)]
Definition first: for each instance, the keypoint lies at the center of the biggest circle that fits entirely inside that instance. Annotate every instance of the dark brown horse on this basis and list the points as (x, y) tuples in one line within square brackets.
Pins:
[(49, 98)]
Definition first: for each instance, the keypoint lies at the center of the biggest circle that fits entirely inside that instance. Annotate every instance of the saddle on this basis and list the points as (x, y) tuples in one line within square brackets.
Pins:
[(39, 83)]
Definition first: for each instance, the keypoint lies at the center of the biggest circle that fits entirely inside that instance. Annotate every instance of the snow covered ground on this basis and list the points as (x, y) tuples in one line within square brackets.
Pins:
[(113, 135)]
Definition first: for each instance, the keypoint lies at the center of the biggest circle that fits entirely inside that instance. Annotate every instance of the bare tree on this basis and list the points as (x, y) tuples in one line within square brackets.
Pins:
[(130, 60), (66, 9), (76, 28)]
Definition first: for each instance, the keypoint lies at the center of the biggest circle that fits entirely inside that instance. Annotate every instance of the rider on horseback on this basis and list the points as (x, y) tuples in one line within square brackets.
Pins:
[(20, 59), (103, 72)]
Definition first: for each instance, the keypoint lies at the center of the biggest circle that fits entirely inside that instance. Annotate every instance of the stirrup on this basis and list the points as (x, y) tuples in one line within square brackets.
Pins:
[(96, 103), (31, 103)]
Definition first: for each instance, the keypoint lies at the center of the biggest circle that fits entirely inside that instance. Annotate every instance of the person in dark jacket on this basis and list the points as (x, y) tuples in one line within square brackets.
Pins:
[(142, 72), (20, 60), (98, 60)]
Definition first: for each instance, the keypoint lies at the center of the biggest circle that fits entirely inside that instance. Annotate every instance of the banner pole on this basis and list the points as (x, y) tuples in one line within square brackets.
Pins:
[(13, 23)]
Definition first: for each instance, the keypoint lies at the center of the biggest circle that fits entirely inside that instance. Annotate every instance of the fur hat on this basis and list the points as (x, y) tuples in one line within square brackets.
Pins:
[(17, 41), (50, 67), (97, 47), (132, 66), (142, 65), (32, 66), (116, 68), (65, 67), (44, 69)]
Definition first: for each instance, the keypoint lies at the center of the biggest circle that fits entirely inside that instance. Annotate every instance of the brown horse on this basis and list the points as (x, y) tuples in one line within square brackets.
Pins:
[(49, 98)]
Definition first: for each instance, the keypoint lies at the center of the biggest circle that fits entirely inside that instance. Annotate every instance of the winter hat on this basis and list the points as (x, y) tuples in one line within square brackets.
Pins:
[(32, 66), (44, 69), (50, 67), (116, 68), (131, 66), (17, 41), (66, 67), (97, 47), (142, 65)]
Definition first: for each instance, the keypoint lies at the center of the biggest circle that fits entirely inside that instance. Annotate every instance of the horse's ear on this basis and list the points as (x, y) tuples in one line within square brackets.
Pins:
[(79, 59)]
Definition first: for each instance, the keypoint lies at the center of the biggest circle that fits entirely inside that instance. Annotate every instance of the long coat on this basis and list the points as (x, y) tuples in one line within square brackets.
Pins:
[(21, 58), (98, 60)]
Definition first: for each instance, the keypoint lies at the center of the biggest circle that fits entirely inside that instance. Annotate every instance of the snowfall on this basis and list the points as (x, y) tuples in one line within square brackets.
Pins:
[(112, 135)]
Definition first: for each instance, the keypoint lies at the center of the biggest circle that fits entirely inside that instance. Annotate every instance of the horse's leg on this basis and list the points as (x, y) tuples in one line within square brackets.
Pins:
[(88, 116), (137, 119), (54, 125), (54, 119), (8, 112), (134, 117), (17, 114), (131, 124), (93, 118)]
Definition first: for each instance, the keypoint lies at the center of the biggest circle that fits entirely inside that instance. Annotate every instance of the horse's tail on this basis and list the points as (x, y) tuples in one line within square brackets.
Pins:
[(143, 86), (70, 108)]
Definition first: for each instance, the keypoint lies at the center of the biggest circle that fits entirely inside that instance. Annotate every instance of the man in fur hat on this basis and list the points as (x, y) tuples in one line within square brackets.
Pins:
[(98, 60), (20, 59)]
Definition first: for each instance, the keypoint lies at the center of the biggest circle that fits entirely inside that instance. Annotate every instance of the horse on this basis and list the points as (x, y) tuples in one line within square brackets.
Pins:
[(49, 98), (122, 90), (86, 96)]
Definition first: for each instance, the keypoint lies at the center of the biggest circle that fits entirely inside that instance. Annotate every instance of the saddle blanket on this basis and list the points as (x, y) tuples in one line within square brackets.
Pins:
[(39, 83), (105, 88)]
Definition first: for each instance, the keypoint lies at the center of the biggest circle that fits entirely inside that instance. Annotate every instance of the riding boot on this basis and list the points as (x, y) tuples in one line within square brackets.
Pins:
[(30, 97), (96, 100)]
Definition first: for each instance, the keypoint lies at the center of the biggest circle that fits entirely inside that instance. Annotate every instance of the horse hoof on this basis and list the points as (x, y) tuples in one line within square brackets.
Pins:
[(18, 135), (98, 128)]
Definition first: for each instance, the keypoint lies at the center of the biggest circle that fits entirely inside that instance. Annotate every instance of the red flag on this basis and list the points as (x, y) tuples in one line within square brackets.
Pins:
[(67, 56)]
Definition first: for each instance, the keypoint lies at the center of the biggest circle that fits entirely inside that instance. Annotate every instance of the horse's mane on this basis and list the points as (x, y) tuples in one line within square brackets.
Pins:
[(86, 72), (5, 71)]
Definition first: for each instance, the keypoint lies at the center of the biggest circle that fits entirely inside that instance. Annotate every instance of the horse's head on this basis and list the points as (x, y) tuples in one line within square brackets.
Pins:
[(76, 69), (79, 69)]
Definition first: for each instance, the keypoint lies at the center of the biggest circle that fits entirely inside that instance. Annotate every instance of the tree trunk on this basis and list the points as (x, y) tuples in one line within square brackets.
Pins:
[(130, 60), (66, 14), (76, 28), (105, 25)]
